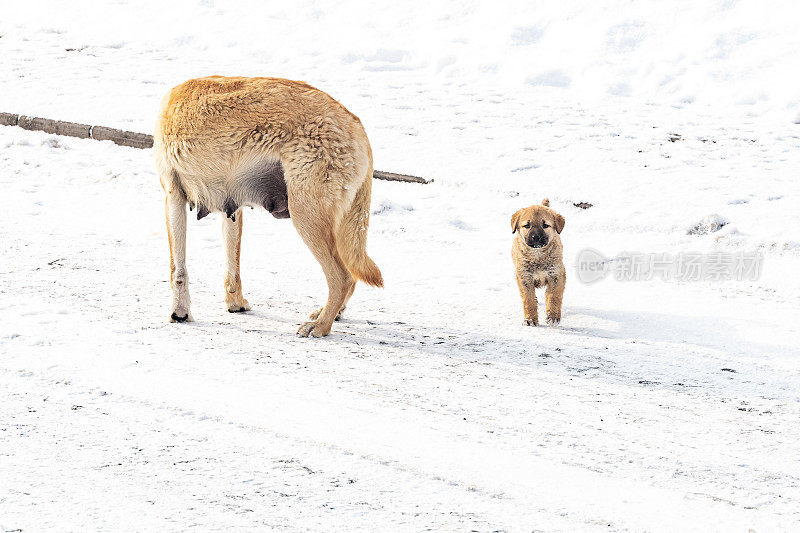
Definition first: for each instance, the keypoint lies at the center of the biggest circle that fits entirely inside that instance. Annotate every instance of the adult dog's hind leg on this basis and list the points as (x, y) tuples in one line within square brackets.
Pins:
[(316, 229), (232, 235), (175, 210), (315, 314)]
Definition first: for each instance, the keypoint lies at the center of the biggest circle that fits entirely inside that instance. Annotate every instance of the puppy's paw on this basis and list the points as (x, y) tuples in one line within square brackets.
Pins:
[(529, 322), (553, 320)]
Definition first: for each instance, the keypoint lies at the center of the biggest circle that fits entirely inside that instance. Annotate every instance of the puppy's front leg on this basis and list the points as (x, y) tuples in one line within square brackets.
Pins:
[(552, 299), (530, 306)]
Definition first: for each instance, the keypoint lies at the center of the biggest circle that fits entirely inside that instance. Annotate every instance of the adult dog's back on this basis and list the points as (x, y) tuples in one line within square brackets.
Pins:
[(223, 143)]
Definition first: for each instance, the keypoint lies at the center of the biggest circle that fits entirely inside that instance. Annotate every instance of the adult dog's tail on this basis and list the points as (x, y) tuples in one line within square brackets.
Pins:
[(351, 237)]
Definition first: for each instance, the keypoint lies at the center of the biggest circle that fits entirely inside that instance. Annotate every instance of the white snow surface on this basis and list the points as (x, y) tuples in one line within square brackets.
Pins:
[(655, 405)]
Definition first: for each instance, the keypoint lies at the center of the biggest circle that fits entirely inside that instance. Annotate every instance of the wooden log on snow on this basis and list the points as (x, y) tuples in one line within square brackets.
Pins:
[(8, 119), (391, 176), (122, 138), (57, 127), (132, 138)]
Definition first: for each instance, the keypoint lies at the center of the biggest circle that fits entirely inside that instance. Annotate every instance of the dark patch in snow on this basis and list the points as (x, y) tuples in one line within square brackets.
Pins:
[(709, 224)]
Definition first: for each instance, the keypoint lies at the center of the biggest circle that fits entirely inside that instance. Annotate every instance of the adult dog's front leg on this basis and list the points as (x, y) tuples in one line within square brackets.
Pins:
[(179, 279), (232, 235)]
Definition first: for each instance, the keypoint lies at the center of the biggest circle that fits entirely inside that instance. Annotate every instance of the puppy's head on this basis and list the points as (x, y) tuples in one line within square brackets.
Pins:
[(537, 224)]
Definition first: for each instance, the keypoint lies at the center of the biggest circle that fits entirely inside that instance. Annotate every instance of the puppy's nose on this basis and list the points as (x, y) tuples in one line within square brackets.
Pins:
[(537, 240)]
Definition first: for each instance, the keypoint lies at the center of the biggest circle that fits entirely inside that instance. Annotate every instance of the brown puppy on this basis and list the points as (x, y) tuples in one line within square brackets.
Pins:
[(223, 143), (537, 255)]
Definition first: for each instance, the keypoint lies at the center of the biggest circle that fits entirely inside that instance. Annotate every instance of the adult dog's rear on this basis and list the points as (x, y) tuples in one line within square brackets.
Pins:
[(222, 143)]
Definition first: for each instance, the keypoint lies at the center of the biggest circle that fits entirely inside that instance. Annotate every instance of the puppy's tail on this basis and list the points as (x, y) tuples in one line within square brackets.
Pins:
[(546, 202), (351, 237)]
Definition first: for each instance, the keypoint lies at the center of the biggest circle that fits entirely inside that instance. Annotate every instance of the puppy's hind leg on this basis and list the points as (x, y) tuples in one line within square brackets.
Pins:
[(175, 210), (232, 236)]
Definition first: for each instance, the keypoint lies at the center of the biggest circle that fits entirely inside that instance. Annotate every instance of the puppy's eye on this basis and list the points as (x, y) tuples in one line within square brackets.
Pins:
[(545, 224), (526, 225)]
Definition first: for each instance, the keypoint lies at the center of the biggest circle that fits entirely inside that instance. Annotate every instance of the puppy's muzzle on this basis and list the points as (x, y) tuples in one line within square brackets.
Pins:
[(536, 241)]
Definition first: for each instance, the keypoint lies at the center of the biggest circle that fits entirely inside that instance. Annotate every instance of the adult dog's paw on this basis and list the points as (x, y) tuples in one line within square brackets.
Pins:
[(239, 306), (305, 329), (315, 314), (178, 316), (314, 329)]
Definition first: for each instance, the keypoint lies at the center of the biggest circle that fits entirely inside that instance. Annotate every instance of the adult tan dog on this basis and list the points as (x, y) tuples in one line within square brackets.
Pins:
[(222, 143), (537, 254)]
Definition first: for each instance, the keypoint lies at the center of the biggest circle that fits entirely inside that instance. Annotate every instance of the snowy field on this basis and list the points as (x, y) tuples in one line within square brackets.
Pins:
[(656, 405)]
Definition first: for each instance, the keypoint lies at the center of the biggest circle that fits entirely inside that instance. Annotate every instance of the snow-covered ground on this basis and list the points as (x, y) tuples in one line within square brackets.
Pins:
[(655, 405)]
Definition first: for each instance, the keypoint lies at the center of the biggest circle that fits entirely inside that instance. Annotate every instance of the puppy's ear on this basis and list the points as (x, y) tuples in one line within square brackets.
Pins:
[(515, 221), (559, 222)]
